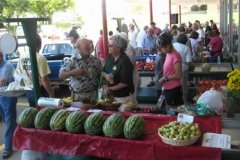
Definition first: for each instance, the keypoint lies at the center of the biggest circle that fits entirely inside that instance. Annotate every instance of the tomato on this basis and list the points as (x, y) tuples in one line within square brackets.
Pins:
[(224, 82), (201, 82)]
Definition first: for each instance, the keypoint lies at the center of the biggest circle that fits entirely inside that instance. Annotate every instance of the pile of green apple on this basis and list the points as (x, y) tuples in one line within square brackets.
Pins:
[(180, 131)]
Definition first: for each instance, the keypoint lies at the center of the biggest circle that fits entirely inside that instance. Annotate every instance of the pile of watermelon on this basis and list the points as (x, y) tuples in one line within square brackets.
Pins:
[(115, 126)]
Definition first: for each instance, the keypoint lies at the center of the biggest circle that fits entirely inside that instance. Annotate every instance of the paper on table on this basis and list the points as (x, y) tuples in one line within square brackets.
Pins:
[(216, 140), (185, 118), (73, 109), (94, 110)]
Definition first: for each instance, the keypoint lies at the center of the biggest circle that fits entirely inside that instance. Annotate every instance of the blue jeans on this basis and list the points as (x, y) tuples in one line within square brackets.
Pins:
[(31, 96), (9, 114)]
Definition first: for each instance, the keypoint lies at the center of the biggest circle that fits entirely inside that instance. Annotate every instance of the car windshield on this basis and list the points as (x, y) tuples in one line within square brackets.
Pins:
[(61, 48)]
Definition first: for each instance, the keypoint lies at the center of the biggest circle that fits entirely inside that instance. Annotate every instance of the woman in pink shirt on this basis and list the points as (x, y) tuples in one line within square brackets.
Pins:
[(172, 71)]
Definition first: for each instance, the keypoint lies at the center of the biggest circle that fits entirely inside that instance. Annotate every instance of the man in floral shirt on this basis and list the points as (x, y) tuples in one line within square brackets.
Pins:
[(84, 72)]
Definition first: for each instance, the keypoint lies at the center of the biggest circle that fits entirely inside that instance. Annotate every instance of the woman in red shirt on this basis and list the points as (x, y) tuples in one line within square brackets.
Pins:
[(215, 46)]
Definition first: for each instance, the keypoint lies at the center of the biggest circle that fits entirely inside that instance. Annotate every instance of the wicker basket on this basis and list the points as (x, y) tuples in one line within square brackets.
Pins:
[(178, 142), (110, 107), (86, 106)]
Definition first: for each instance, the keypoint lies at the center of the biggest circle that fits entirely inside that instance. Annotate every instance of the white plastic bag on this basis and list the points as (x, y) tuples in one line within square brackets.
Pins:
[(212, 98)]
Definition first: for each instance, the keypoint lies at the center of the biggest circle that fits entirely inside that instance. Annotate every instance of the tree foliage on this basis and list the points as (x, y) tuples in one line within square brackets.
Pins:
[(47, 7), (40, 8)]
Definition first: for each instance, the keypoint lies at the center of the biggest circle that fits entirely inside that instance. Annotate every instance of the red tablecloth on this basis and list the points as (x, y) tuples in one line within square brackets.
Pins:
[(150, 147)]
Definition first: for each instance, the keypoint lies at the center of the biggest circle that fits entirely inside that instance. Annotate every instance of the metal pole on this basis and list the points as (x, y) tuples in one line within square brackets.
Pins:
[(170, 12), (180, 15), (151, 10), (230, 27), (105, 30)]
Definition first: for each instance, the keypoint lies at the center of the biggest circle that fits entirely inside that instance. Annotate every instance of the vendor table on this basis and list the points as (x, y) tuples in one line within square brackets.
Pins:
[(150, 147)]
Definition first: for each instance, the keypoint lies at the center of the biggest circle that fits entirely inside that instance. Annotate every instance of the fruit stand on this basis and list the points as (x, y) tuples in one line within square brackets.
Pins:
[(149, 146), (217, 72), (146, 66)]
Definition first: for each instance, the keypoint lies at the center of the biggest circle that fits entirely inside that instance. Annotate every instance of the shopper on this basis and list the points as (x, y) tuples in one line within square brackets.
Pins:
[(7, 107), (184, 50), (215, 46), (24, 67), (84, 73), (172, 71)]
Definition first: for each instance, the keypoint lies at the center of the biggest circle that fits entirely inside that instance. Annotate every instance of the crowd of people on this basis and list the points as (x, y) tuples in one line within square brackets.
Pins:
[(173, 47)]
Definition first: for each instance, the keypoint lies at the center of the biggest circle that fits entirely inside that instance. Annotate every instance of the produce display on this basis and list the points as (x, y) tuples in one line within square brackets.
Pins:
[(128, 107), (179, 132), (26, 118), (94, 123), (75, 122), (145, 63), (205, 85), (107, 102), (134, 127), (43, 118), (57, 122), (113, 126)]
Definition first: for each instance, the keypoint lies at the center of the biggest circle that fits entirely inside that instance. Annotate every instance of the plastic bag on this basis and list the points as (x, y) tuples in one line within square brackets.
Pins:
[(33, 155), (212, 98), (22, 79)]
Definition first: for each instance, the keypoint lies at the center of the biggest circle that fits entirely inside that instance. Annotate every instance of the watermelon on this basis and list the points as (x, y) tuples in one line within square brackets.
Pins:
[(134, 127), (43, 118), (57, 122), (26, 118), (75, 122), (113, 126), (94, 123)]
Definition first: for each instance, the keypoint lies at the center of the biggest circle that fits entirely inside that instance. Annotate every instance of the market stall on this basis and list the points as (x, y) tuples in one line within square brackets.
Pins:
[(149, 146)]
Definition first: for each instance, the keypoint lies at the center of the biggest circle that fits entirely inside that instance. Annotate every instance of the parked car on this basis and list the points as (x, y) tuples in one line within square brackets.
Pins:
[(54, 53), (57, 50)]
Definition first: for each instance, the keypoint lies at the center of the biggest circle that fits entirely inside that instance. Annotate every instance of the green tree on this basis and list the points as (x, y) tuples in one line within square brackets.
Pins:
[(10, 8), (45, 8), (42, 8)]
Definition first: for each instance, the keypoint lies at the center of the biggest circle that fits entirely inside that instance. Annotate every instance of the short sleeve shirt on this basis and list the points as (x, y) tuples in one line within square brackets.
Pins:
[(87, 83), (24, 66), (185, 53), (168, 69), (122, 70)]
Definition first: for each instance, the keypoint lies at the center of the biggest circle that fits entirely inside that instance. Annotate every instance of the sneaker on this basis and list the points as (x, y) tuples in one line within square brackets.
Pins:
[(152, 83), (6, 154)]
